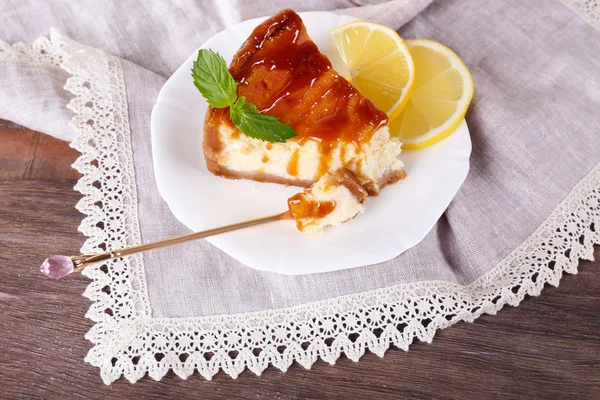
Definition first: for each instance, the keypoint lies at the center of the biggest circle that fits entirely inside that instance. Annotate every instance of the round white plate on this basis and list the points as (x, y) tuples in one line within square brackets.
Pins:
[(393, 222)]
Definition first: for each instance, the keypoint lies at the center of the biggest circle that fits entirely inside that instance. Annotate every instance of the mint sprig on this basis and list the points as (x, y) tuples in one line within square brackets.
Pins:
[(217, 86), (213, 80), (255, 124)]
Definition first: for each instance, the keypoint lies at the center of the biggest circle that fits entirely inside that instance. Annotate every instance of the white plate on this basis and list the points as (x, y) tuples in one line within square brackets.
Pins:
[(393, 222)]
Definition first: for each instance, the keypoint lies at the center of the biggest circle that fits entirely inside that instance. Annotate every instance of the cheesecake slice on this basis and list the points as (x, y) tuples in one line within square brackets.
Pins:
[(281, 71), (334, 199)]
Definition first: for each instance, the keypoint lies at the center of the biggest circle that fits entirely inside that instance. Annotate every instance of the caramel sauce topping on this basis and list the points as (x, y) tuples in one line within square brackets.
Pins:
[(281, 71), (292, 167), (303, 209)]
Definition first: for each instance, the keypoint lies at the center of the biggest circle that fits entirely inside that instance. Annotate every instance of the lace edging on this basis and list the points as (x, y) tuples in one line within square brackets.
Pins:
[(128, 342), (120, 306), (42, 53), (589, 10)]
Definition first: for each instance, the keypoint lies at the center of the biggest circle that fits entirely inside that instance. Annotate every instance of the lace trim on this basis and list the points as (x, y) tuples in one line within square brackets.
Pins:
[(120, 303), (589, 10), (128, 342), (118, 290), (42, 53)]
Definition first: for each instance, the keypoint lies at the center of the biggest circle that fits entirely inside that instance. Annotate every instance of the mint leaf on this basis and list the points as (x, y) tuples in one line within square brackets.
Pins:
[(213, 80), (217, 86), (253, 123)]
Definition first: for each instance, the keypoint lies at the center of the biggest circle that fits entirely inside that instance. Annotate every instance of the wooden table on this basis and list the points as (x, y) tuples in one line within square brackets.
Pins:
[(549, 347)]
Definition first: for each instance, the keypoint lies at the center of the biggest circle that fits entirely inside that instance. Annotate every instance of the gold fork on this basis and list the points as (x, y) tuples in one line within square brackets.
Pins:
[(59, 266)]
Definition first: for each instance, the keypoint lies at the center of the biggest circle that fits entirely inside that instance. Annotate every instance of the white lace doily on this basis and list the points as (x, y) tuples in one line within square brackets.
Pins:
[(128, 342), (589, 10)]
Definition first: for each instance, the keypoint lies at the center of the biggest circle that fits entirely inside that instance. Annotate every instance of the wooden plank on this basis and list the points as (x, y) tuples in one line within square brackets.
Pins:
[(548, 347), (53, 160), (25, 154), (4, 124), (17, 149)]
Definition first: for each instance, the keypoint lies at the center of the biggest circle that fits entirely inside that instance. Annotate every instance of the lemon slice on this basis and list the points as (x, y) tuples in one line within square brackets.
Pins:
[(379, 62), (442, 93)]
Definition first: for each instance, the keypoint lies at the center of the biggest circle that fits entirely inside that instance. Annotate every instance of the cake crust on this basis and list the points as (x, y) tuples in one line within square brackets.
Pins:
[(343, 177)]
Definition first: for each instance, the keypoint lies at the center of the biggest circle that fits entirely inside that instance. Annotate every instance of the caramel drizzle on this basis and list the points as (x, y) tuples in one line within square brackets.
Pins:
[(305, 212), (281, 70), (292, 167)]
